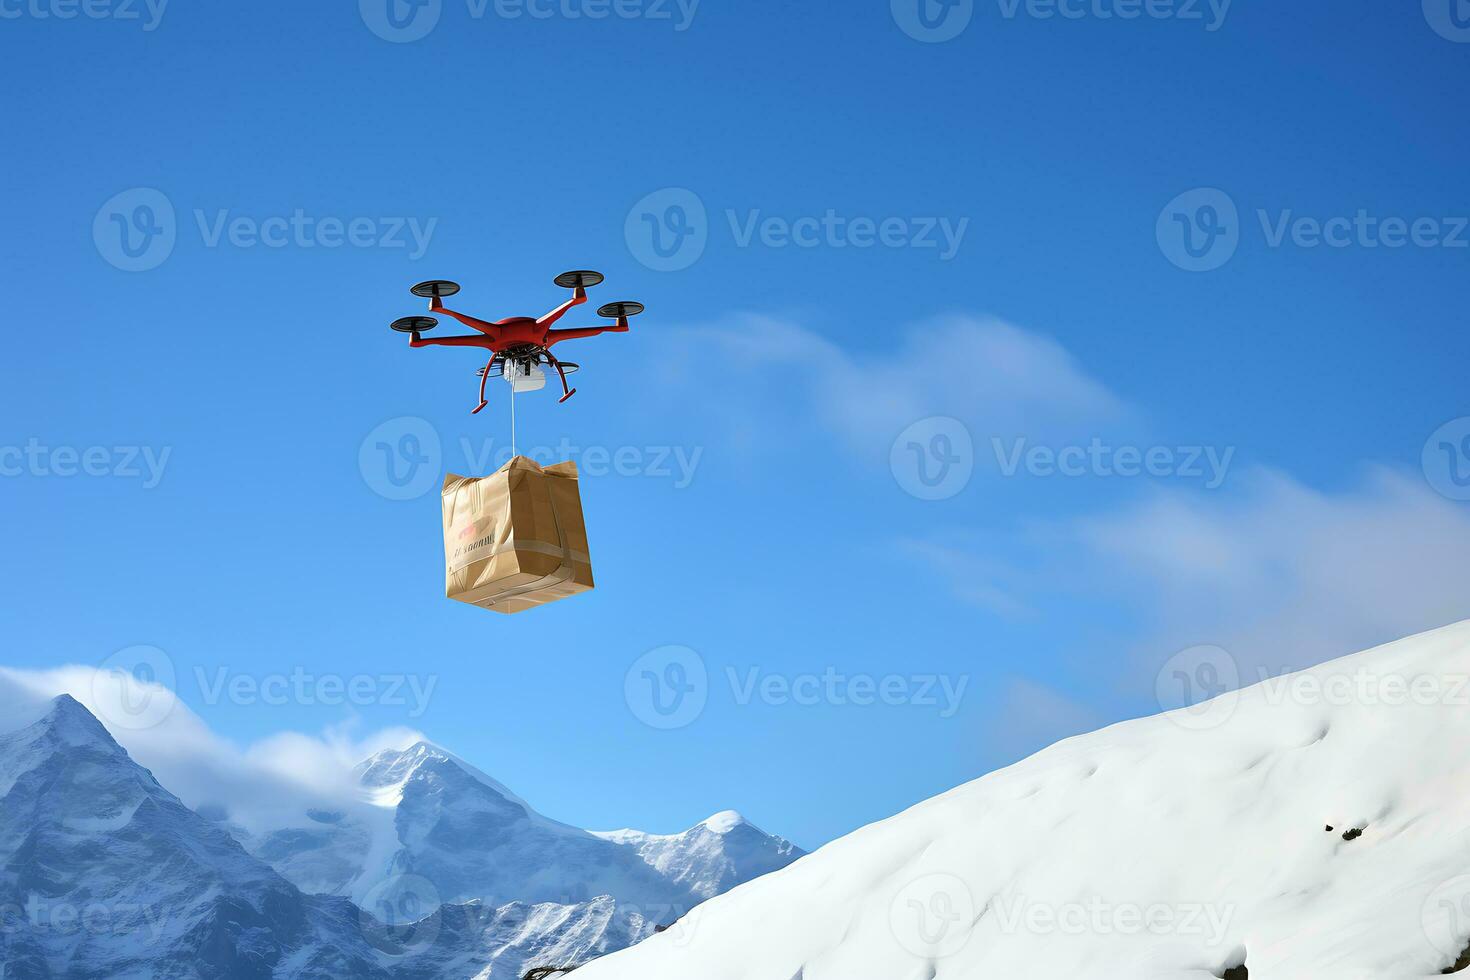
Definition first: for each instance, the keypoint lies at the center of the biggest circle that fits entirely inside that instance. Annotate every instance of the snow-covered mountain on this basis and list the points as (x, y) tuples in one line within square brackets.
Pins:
[(1315, 825), (713, 857), (423, 813), (104, 874), (432, 871)]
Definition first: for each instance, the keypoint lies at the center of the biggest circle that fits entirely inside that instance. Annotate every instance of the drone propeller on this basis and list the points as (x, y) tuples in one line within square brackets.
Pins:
[(435, 287), (620, 310), (414, 324), (579, 279)]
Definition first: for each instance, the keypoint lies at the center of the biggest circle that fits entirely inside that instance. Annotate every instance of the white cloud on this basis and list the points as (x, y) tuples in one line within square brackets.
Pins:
[(269, 784), (1282, 575), (998, 378)]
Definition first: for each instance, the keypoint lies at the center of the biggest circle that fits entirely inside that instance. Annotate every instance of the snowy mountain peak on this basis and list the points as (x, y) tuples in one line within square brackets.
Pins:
[(71, 723), (391, 769), (725, 821), (82, 826)]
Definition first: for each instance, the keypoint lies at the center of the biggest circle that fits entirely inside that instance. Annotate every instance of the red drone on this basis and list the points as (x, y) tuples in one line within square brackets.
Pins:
[(519, 345)]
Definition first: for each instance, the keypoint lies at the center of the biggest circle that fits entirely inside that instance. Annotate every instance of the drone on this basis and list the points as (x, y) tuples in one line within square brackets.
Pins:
[(519, 345)]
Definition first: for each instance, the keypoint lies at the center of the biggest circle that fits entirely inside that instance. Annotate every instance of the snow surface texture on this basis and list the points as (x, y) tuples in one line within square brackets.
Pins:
[(1313, 826), (105, 874)]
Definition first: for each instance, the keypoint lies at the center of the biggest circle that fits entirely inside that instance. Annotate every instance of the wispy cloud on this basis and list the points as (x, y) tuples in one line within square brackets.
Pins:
[(1283, 575), (271, 783), (1000, 379)]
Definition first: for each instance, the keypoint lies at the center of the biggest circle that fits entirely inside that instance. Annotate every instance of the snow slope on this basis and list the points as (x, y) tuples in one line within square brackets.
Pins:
[(1179, 846)]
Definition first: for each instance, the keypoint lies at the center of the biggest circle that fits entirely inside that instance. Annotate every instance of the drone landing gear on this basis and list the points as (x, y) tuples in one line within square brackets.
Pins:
[(561, 372), (484, 378)]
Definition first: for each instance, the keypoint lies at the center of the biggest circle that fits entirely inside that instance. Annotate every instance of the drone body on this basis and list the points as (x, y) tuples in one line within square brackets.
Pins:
[(519, 345)]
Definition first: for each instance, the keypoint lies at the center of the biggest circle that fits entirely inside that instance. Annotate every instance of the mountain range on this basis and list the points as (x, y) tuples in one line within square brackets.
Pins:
[(430, 870)]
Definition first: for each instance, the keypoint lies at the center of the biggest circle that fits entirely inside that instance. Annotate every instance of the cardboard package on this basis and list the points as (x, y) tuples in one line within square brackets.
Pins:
[(515, 539)]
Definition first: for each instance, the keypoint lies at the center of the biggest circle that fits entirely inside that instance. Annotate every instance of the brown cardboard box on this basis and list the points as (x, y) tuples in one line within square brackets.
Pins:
[(515, 539)]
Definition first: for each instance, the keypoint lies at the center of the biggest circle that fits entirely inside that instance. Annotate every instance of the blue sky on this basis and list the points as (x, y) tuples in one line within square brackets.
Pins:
[(854, 237)]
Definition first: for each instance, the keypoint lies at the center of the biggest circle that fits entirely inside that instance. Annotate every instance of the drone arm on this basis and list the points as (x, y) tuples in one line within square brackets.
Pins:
[(435, 306), (578, 299), (554, 336), (471, 341)]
